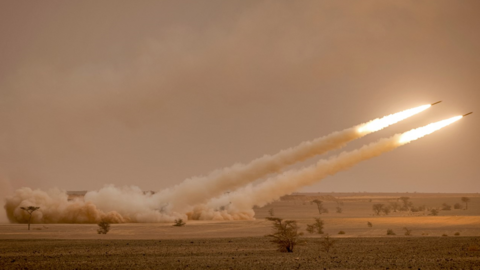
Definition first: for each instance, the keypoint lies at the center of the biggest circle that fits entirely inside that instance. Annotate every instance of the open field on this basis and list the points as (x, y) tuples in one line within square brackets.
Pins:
[(242, 245), (242, 253)]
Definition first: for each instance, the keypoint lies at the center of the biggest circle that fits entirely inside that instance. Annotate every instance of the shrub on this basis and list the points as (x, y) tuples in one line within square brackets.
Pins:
[(395, 206), (326, 243), (408, 231), (457, 234), (179, 223), (285, 234), (341, 232), (444, 234), (369, 224), (103, 227), (434, 212), (377, 208), (386, 210), (339, 210), (406, 203), (457, 206), (390, 232), (316, 227), (446, 207)]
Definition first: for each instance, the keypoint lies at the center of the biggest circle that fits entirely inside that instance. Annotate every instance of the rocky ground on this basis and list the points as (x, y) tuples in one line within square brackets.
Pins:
[(396, 252)]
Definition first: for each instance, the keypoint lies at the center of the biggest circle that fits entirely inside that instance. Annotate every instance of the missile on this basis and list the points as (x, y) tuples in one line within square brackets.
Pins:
[(436, 103), (467, 114)]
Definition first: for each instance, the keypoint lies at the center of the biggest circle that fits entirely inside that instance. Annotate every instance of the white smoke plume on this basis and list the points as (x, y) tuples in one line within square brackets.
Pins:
[(238, 204), (198, 190)]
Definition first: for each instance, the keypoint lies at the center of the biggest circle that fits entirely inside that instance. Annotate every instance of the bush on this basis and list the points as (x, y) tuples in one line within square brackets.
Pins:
[(457, 234), (103, 227), (179, 223), (386, 210), (285, 234), (326, 243), (446, 207), (271, 212), (339, 210), (369, 224), (408, 231), (390, 232), (377, 208), (316, 227), (434, 212), (341, 232), (444, 234), (457, 206)]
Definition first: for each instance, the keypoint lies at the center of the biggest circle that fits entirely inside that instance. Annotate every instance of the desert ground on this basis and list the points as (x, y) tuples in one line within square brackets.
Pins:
[(450, 240)]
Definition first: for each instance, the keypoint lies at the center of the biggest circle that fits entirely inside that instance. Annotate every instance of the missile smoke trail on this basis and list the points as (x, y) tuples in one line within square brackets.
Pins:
[(197, 190), (240, 202), (130, 204)]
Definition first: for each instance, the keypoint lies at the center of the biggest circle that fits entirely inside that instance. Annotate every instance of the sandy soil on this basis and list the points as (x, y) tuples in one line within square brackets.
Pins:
[(242, 253)]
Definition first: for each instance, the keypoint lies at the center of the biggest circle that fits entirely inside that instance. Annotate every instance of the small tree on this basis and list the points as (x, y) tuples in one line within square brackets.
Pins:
[(339, 210), (179, 223), (395, 206), (30, 211), (285, 234), (466, 200), (434, 212), (369, 224), (271, 212), (377, 208), (390, 232), (320, 206), (406, 203), (457, 206), (103, 227), (386, 210), (316, 227), (326, 243), (408, 231)]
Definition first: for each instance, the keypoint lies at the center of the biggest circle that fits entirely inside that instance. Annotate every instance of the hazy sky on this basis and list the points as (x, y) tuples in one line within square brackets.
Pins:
[(149, 93)]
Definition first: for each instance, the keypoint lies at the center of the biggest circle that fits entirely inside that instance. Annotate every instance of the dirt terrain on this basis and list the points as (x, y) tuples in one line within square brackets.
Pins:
[(450, 240), (242, 253)]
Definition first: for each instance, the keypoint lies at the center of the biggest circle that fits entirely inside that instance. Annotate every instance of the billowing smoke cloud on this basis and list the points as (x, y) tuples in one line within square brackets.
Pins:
[(199, 189), (55, 208), (238, 205), (115, 205)]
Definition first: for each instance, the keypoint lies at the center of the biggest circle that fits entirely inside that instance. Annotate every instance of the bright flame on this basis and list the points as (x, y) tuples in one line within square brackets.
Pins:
[(386, 121), (420, 132)]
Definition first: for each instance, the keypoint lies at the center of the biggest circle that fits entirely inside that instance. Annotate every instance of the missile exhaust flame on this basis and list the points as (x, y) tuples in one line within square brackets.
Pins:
[(420, 132), (386, 121)]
